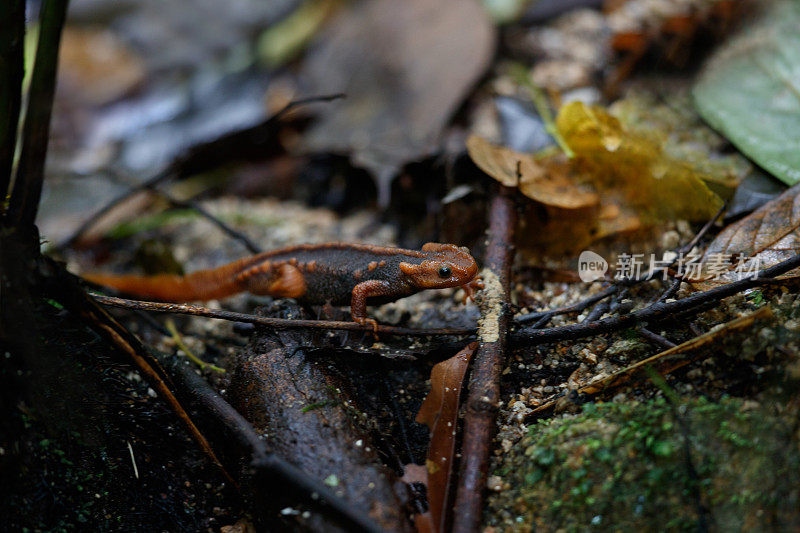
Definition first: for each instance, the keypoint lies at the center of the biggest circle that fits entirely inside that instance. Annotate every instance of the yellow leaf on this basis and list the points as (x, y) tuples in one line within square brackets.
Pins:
[(656, 185)]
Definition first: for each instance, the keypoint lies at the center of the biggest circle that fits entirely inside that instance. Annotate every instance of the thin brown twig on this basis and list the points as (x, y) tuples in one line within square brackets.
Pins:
[(655, 338), (700, 234), (196, 310), (657, 312), (671, 291), (597, 311), (666, 364), (236, 235), (484, 388)]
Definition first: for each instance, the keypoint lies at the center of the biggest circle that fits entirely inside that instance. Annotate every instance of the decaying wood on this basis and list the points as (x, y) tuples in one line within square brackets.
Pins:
[(307, 419), (269, 482)]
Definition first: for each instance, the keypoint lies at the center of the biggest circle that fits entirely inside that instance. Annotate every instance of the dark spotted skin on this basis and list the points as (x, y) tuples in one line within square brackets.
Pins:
[(331, 272), (335, 273)]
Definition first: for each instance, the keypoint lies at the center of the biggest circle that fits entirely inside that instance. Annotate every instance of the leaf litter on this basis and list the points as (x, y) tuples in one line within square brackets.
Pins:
[(764, 238), (405, 67), (620, 180)]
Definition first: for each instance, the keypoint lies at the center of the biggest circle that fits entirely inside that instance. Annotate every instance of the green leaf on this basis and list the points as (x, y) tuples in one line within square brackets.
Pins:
[(750, 91)]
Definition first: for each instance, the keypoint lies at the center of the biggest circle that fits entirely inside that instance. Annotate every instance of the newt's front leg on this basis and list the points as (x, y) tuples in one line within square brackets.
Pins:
[(358, 302), (471, 288)]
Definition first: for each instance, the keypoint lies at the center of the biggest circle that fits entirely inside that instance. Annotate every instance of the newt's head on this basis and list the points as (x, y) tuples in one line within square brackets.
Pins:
[(446, 265)]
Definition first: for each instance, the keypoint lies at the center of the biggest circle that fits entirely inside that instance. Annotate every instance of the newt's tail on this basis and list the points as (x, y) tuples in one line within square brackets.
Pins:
[(201, 285)]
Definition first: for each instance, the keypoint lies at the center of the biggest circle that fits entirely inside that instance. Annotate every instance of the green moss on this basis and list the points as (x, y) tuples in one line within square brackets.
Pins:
[(636, 466), (316, 405)]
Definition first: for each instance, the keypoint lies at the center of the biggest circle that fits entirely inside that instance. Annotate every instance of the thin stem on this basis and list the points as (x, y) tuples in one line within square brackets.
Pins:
[(520, 73), (176, 336), (197, 310), (27, 188), (12, 71), (484, 389)]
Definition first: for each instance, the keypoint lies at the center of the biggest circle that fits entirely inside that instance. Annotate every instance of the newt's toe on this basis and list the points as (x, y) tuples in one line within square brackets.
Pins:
[(371, 322), (471, 288)]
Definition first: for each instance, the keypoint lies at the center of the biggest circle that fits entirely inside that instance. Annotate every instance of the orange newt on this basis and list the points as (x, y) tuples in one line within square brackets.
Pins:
[(333, 273)]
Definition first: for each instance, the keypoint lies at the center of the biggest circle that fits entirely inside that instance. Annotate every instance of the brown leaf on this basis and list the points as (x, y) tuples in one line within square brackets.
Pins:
[(764, 238), (549, 181), (405, 66), (620, 181), (96, 66), (559, 232), (574, 216), (424, 523), (439, 412)]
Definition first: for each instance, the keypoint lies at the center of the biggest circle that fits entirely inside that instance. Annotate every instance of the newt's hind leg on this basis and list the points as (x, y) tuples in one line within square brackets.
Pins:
[(278, 279)]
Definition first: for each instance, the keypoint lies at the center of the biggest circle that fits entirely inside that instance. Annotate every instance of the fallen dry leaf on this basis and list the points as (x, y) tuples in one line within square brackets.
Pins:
[(405, 66), (549, 180), (439, 412), (764, 238), (573, 215), (620, 181), (96, 66)]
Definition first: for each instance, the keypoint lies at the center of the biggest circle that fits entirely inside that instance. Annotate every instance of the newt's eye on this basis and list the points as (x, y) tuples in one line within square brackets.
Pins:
[(444, 272)]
